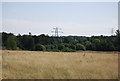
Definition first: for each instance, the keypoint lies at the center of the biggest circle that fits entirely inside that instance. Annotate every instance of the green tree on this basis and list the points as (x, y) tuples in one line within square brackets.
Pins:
[(88, 45), (72, 46), (96, 44), (27, 42), (61, 46), (66, 40), (44, 39), (103, 45), (80, 47), (11, 43), (118, 39), (40, 47), (50, 47)]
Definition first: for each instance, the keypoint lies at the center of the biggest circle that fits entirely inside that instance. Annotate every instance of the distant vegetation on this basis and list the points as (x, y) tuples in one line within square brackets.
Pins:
[(65, 43)]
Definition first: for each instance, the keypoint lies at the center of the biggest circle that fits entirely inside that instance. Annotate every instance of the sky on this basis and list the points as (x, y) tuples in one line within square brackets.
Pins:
[(74, 18)]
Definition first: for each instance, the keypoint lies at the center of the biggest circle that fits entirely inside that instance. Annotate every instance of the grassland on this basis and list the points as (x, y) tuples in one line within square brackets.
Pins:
[(0, 64), (59, 65)]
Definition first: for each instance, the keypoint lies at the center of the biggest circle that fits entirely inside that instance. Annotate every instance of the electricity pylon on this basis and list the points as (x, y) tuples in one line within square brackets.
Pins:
[(56, 31)]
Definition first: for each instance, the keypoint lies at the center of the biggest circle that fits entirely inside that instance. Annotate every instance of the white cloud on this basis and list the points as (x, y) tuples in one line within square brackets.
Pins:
[(69, 28)]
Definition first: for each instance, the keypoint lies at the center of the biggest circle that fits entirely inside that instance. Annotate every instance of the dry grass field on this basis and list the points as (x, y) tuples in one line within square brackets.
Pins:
[(0, 64), (59, 65)]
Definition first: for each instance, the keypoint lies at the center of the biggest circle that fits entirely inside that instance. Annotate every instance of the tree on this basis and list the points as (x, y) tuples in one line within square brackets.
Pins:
[(44, 39), (118, 39), (64, 43), (40, 47), (11, 43), (88, 45), (66, 40), (27, 42), (80, 46), (61, 46), (103, 45), (5, 37), (72, 46), (49, 47), (18, 41), (96, 44)]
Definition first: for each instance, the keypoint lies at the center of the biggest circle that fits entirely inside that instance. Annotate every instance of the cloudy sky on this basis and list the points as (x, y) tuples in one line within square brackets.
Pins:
[(75, 18)]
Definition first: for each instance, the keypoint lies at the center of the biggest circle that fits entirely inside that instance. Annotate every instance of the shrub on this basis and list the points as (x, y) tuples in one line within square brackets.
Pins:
[(66, 49)]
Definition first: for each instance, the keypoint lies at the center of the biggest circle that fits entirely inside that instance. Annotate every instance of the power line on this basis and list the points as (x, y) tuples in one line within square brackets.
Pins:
[(56, 31)]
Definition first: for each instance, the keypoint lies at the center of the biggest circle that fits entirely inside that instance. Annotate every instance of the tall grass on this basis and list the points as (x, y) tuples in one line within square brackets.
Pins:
[(0, 64), (59, 65)]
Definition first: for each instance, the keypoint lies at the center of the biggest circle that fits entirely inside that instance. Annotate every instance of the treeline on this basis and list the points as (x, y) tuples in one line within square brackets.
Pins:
[(65, 43)]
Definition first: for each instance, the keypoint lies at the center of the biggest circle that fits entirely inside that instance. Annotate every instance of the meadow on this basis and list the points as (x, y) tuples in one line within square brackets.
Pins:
[(59, 65), (0, 64)]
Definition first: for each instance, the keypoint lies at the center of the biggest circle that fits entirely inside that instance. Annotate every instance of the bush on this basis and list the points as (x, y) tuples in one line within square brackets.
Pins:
[(66, 49), (40, 47), (80, 47)]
